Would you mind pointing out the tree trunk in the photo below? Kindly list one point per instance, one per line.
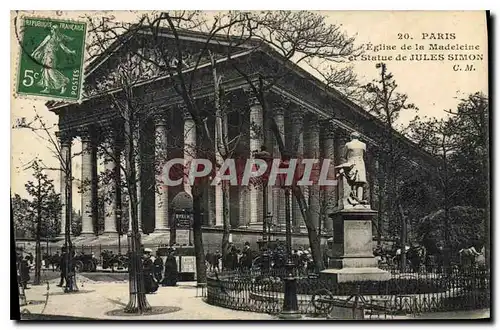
(38, 260)
(314, 240)
(226, 229)
(221, 153)
(201, 269)
(137, 295)
(403, 236)
(38, 252)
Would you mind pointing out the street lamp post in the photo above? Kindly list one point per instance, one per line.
(267, 221)
(290, 305)
(70, 269)
(119, 218)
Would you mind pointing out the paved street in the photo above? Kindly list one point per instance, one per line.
(100, 275)
(99, 298)
(475, 314)
(102, 293)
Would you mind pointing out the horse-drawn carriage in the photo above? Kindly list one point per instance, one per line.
(114, 261)
(85, 263)
(52, 261)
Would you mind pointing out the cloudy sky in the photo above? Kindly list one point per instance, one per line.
(432, 86)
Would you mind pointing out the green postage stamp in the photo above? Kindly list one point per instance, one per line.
(51, 58)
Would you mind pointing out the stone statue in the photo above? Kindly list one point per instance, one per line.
(354, 170)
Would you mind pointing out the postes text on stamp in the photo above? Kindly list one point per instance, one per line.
(51, 58)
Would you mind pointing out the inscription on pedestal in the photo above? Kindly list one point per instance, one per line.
(182, 236)
(357, 238)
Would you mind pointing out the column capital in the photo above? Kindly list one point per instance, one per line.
(342, 134)
(85, 134)
(313, 122)
(278, 111)
(297, 115)
(277, 100)
(107, 131)
(252, 97)
(329, 128)
(185, 113)
(65, 137)
(159, 119)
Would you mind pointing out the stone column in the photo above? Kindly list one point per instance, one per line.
(256, 142)
(161, 191)
(297, 141)
(65, 141)
(189, 146)
(87, 186)
(312, 151)
(278, 193)
(329, 195)
(110, 190)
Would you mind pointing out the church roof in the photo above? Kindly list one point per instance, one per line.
(247, 45)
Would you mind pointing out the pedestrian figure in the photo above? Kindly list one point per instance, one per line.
(239, 255)
(171, 271)
(56, 261)
(217, 259)
(158, 267)
(63, 265)
(25, 272)
(231, 261)
(150, 284)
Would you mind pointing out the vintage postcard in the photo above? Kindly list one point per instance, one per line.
(250, 165)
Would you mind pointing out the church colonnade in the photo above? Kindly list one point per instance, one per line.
(306, 133)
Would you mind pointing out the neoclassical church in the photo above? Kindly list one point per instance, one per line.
(305, 110)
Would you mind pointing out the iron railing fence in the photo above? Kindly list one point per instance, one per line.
(403, 293)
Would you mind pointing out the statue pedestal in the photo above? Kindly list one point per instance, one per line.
(354, 259)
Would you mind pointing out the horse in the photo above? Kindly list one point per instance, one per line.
(213, 261)
(52, 261)
(468, 257)
(397, 257)
(415, 255)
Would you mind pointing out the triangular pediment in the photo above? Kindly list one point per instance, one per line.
(142, 56)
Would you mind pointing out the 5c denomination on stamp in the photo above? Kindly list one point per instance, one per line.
(51, 58)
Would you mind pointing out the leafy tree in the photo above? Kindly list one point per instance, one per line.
(460, 142)
(472, 116)
(45, 207)
(382, 99)
(76, 224)
(23, 218)
(464, 227)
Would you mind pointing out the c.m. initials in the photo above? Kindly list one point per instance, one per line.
(467, 67)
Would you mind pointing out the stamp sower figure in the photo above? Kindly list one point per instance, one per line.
(46, 54)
